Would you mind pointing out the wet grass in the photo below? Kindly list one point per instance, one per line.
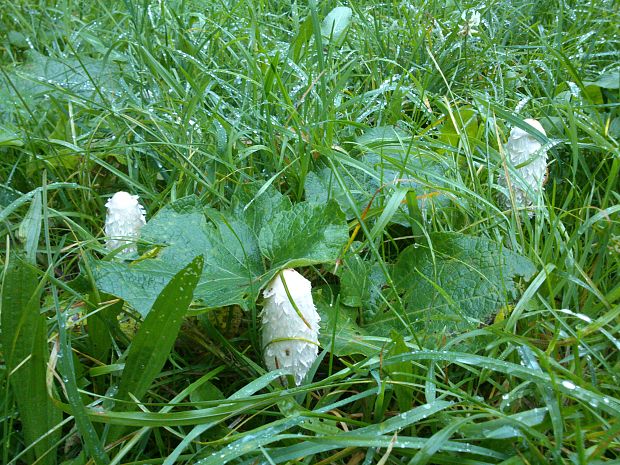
(173, 98)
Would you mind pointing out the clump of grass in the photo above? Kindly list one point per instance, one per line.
(179, 98)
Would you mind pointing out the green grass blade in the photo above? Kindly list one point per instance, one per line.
(24, 342)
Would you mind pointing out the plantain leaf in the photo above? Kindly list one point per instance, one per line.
(152, 343)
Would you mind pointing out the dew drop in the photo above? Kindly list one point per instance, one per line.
(568, 385)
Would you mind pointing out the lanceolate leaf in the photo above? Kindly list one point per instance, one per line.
(24, 344)
(152, 343)
(457, 284)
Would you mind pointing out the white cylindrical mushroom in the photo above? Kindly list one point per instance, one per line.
(290, 330)
(123, 221)
(524, 152)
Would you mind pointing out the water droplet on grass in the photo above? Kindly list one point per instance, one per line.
(568, 385)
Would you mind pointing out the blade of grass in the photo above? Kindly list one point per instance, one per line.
(24, 342)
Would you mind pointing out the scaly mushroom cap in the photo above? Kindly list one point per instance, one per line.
(123, 221)
(290, 335)
(524, 149)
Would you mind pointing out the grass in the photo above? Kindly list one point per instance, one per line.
(174, 98)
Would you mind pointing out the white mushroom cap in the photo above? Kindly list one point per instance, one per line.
(290, 335)
(124, 219)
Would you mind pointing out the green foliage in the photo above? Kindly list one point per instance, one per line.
(388, 157)
(152, 343)
(456, 282)
(336, 24)
(24, 343)
(360, 285)
(243, 248)
(452, 331)
(340, 332)
(147, 354)
(303, 236)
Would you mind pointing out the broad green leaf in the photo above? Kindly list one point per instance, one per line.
(389, 158)
(8, 195)
(42, 80)
(137, 283)
(243, 248)
(457, 283)
(607, 80)
(381, 136)
(152, 343)
(304, 235)
(614, 127)
(338, 324)
(394, 156)
(321, 186)
(593, 94)
(24, 344)
(18, 39)
(360, 285)
(10, 137)
(466, 119)
(354, 281)
(257, 208)
(232, 259)
(234, 271)
(182, 228)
